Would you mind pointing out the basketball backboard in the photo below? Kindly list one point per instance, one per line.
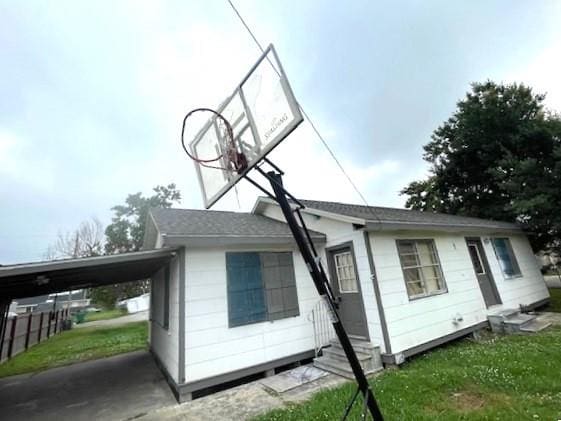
(262, 112)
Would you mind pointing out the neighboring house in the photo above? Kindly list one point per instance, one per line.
(68, 299)
(237, 298)
(548, 259)
(136, 304)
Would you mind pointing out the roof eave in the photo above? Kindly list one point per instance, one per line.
(418, 226)
(262, 202)
(174, 240)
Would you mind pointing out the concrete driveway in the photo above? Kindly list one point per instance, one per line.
(123, 387)
(117, 321)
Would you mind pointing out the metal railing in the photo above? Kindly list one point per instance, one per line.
(323, 329)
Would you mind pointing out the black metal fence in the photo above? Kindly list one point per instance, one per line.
(25, 330)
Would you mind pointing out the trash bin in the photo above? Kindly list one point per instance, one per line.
(79, 317)
(67, 324)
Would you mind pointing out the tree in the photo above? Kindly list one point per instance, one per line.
(126, 234)
(497, 157)
(86, 240)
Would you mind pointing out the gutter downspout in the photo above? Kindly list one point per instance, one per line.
(379, 305)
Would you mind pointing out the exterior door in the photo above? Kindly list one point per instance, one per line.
(482, 272)
(346, 287)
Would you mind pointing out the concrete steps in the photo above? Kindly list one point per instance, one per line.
(513, 321)
(334, 359)
(535, 326)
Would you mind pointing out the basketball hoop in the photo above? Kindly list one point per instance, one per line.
(261, 112)
(232, 159)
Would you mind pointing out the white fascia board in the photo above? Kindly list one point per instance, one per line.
(420, 226)
(224, 240)
(264, 201)
(80, 262)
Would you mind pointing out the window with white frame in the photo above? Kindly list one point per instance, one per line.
(506, 257)
(421, 268)
(345, 268)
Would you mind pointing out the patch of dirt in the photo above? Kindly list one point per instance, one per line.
(467, 401)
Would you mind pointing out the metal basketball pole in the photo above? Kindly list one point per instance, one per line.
(322, 285)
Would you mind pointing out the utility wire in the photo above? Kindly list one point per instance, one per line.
(305, 114)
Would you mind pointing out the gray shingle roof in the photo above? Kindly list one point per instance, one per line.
(377, 214)
(203, 223)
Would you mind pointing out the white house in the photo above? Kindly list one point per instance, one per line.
(237, 298)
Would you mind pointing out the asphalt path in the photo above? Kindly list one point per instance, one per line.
(117, 321)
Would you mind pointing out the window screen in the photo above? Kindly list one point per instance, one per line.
(505, 256)
(261, 286)
(421, 267)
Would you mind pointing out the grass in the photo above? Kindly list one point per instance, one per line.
(555, 303)
(78, 345)
(501, 377)
(92, 316)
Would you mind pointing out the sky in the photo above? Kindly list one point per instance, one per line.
(92, 95)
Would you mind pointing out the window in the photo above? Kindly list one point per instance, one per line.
(345, 268)
(159, 298)
(261, 286)
(476, 258)
(421, 268)
(505, 256)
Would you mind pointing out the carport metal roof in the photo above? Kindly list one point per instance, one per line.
(31, 279)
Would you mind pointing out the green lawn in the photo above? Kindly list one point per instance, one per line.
(499, 378)
(555, 303)
(92, 316)
(72, 346)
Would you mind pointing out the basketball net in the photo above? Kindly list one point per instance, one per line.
(231, 158)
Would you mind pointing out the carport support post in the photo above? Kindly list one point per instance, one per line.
(321, 282)
(4, 313)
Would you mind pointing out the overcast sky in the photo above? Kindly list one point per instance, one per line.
(92, 94)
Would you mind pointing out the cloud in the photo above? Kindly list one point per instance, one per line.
(311, 173)
(19, 165)
(542, 74)
(93, 97)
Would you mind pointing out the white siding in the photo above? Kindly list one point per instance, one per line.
(412, 323)
(212, 348)
(526, 289)
(165, 343)
(339, 233)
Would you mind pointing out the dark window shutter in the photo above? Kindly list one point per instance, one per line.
(277, 270)
(246, 301)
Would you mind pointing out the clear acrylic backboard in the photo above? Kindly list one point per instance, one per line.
(262, 112)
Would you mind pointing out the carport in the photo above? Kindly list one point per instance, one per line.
(32, 279)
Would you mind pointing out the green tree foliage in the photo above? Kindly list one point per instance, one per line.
(126, 233)
(497, 157)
